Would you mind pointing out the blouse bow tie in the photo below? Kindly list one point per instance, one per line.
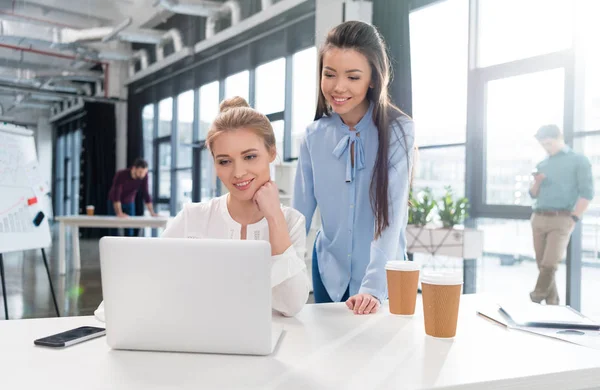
(345, 146)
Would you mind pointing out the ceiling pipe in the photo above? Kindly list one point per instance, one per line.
(18, 88)
(116, 30)
(142, 57)
(19, 17)
(173, 35)
(87, 76)
(79, 41)
(105, 65)
(231, 6)
(264, 4)
(202, 8)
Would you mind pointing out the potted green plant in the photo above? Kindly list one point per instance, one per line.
(421, 207)
(447, 239)
(452, 211)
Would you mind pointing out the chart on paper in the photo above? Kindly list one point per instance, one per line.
(23, 223)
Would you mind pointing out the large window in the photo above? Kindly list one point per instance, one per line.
(165, 117)
(184, 187)
(238, 85)
(304, 94)
(509, 260)
(148, 132)
(208, 110)
(590, 232)
(67, 170)
(516, 108)
(439, 66)
(437, 168)
(175, 126)
(278, 130)
(270, 98)
(270, 87)
(511, 30)
(164, 170)
(529, 63)
(185, 124)
(208, 107)
(590, 56)
(185, 127)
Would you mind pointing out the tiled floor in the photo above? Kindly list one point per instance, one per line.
(28, 292)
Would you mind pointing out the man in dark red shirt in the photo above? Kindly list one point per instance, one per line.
(126, 184)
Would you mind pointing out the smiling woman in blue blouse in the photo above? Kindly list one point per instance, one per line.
(355, 165)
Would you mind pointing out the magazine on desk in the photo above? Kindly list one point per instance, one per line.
(584, 337)
(530, 314)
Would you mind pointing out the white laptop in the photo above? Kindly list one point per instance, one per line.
(185, 295)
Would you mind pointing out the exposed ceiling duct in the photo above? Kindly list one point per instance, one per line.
(46, 98)
(53, 80)
(71, 75)
(142, 57)
(173, 35)
(187, 7)
(265, 4)
(41, 16)
(267, 13)
(25, 89)
(82, 41)
(104, 34)
(20, 34)
(232, 7)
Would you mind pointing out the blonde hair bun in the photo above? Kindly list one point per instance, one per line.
(234, 102)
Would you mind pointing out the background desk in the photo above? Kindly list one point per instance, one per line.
(99, 221)
(324, 347)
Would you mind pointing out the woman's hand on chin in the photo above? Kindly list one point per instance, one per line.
(267, 200)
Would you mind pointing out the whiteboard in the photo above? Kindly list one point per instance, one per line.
(23, 193)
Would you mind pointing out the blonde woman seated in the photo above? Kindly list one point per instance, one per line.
(242, 144)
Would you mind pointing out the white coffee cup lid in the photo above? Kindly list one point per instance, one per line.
(442, 278)
(402, 265)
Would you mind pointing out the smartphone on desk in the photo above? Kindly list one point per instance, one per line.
(70, 337)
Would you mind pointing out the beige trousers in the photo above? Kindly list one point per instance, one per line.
(551, 236)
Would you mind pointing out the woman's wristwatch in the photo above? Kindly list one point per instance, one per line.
(575, 218)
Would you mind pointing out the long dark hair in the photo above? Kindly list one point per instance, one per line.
(365, 39)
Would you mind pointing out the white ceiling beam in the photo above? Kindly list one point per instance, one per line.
(109, 12)
(98, 34)
(155, 17)
(191, 7)
(16, 59)
(103, 10)
(41, 15)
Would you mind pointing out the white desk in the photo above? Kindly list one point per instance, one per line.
(96, 221)
(324, 347)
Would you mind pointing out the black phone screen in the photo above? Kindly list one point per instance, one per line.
(62, 339)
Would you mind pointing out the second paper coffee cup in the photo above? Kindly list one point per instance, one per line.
(402, 280)
(441, 298)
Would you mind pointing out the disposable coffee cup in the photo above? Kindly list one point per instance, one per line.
(89, 209)
(441, 299)
(402, 281)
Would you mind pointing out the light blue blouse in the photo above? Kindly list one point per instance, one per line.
(347, 253)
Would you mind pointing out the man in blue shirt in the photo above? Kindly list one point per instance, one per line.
(562, 190)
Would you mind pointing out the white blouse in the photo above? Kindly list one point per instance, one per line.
(289, 278)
